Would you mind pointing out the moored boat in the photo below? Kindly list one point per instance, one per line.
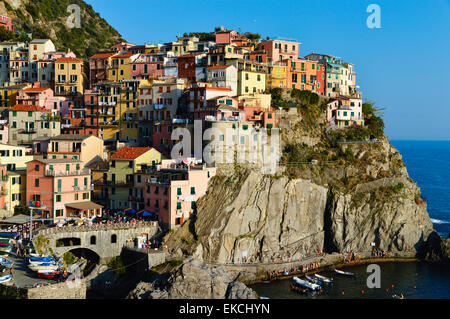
(345, 273)
(306, 284)
(314, 280)
(323, 278)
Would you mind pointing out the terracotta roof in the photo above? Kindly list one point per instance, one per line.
(218, 67)
(101, 55)
(35, 89)
(216, 88)
(130, 152)
(126, 55)
(69, 59)
(28, 108)
(190, 55)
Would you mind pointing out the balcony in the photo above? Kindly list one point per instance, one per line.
(114, 123)
(36, 204)
(27, 131)
(67, 173)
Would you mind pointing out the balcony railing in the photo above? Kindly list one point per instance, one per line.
(67, 173)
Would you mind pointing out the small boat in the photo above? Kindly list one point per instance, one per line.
(5, 262)
(323, 278)
(48, 274)
(40, 259)
(306, 284)
(44, 266)
(5, 278)
(314, 280)
(345, 273)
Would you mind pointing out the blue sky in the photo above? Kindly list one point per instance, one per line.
(403, 66)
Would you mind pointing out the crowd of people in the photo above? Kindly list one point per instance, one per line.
(302, 269)
(379, 253)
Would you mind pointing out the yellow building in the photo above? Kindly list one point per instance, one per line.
(109, 109)
(277, 75)
(251, 76)
(69, 77)
(123, 166)
(8, 95)
(120, 67)
(16, 187)
(14, 157)
(128, 108)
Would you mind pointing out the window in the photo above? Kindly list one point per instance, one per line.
(30, 114)
(221, 137)
(269, 115)
(36, 182)
(36, 168)
(130, 164)
(93, 240)
(113, 238)
(113, 163)
(76, 196)
(178, 205)
(192, 190)
(193, 205)
(178, 191)
(58, 198)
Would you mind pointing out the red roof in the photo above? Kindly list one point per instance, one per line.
(69, 59)
(35, 89)
(101, 55)
(218, 67)
(126, 55)
(29, 108)
(130, 152)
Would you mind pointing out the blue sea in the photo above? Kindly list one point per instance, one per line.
(428, 164)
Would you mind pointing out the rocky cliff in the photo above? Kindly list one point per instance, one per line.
(326, 195)
(194, 280)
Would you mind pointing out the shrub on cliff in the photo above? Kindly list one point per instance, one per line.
(374, 122)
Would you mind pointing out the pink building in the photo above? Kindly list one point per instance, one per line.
(226, 36)
(146, 66)
(6, 22)
(60, 188)
(175, 188)
(43, 97)
(122, 46)
(260, 117)
(278, 50)
(219, 108)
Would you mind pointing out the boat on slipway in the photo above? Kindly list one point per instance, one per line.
(5, 262)
(44, 266)
(5, 278)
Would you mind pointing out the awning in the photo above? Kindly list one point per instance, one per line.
(84, 205)
(145, 213)
(130, 211)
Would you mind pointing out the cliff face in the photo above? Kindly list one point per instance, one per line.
(48, 19)
(363, 195)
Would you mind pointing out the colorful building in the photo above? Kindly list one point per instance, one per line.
(123, 166)
(225, 76)
(69, 76)
(174, 189)
(251, 76)
(60, 189)
(279, 49)
(344, 111)
(277, 76)
(26, 122)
